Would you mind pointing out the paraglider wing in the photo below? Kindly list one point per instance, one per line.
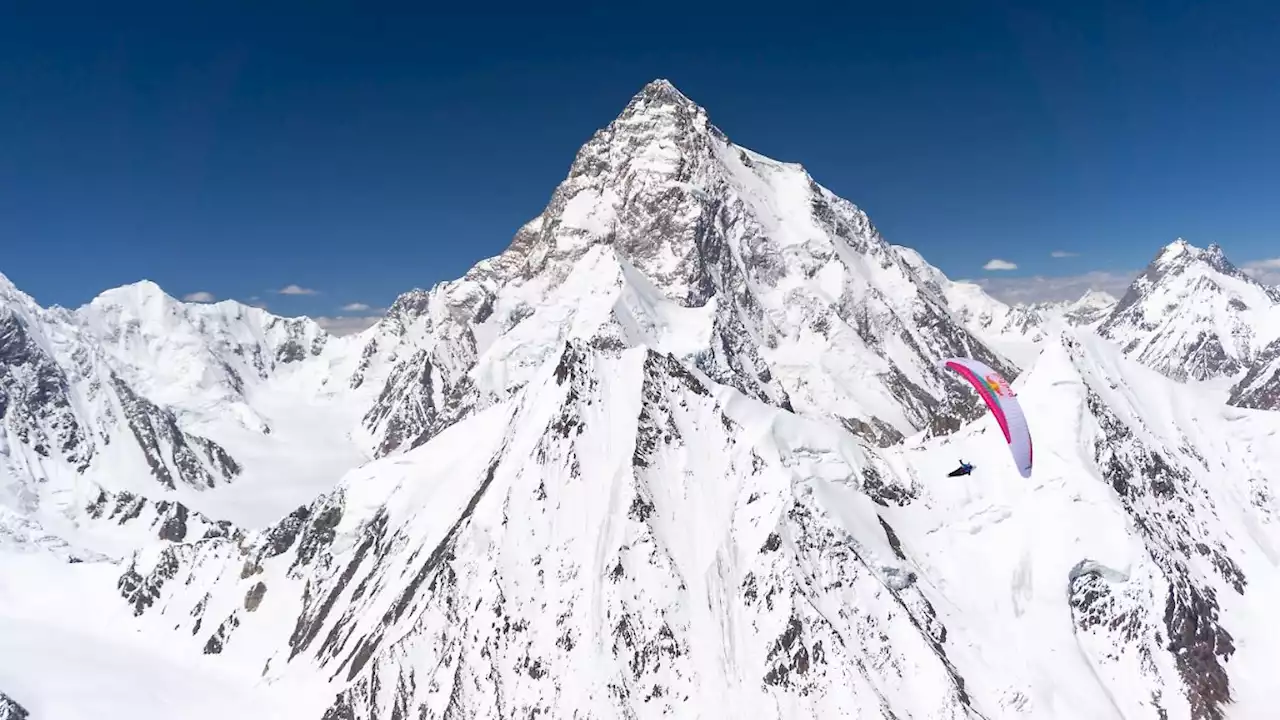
(1002, 402)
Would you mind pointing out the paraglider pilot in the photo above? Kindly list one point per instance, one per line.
(1005, 409)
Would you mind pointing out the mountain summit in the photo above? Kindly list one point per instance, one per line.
(765, 266)
(1193, 314)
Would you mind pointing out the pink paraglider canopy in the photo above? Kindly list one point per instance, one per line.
(1002, 402)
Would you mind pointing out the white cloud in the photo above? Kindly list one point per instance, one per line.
(1264, 271)
(345, 325)
(201, 296)
(296, 290)
(1063, 254)
(1057, 288)
(998, 264)
(355, 307)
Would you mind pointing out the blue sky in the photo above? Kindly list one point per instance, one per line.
(359, 153)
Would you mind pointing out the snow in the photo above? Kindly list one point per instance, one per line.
(290, 425)
(588, 211)
(67, 653)
(1192, 314)
(778, 193)
(1095, 300)
(312, 444)
(1000, 548)
(191, 355)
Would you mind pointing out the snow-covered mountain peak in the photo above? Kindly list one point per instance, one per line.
(1094, 299)
(1215, 256)
(143, 293)
(71, 423)
(1182, 250)
(658, 94)
(779, 267)
(1193, 314)
(12, 297)
(146, 301)
(139, 413)
(1089, 309)
(1014, 331)
(651, 182)
(1181, 258)
(1175, 249)
(404, 312)
(659, 105)
(635, 184)
(200, 358)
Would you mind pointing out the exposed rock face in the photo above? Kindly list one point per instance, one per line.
(63, 405)
(36, 396)
(1260, 386)
(11, 710)
(167, 520)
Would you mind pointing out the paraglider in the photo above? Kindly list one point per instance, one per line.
(1003, 404)
(964, 469)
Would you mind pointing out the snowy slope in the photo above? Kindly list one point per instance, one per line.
(63, 656)
(697, 570)
(677, 546)
(1192, 314)
(1150, 501)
